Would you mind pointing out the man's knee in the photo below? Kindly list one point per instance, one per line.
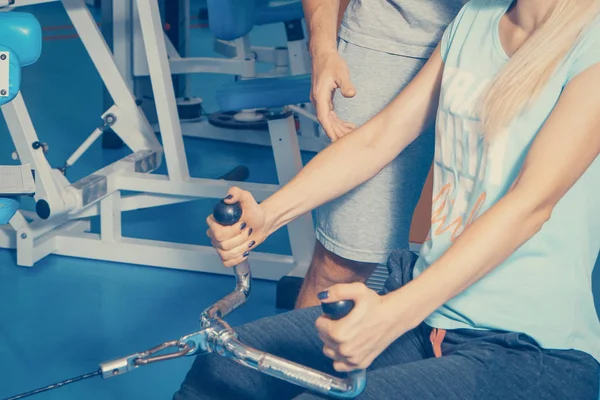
(328, 268)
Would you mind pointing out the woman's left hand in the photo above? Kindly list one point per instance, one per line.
(354, 341)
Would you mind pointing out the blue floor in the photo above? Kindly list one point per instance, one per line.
(65, 316)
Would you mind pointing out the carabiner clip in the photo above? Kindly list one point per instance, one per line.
(128, 363)
(149, 357)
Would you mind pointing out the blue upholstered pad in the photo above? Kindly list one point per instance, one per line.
(231, 19)
(22, 33)
(265, 93)
(20, 45)
(279, 13)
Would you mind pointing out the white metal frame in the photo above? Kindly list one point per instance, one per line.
(66, 231)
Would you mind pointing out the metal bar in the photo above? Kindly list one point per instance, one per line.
(162, 87)
(194, 187)
(165, 255)
(102, 58)
(284, 140)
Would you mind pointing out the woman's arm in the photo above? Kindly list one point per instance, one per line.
(360, 155)
(566, 146)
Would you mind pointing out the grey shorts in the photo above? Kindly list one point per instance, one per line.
(369, 222)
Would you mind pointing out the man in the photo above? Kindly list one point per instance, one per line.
(382, 45)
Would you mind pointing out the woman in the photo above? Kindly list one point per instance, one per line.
(499, 304)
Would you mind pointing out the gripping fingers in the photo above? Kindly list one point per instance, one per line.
(221, 233)
(229, 244)
(340, 362)
(235, 255)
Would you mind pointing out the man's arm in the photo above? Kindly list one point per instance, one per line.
(322, 22)
(341, 11)
(360, 155)
(563, 150)
(329, 71)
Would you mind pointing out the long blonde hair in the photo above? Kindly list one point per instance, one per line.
(524, 76)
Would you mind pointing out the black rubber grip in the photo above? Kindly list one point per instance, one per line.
(227, 214)
(337, 310)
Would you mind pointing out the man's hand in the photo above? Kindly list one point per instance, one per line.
(330, 72)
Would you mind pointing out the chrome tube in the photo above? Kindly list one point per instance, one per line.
(342, 388)
(243, 286)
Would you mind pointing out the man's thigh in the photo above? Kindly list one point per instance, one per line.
(370, 221)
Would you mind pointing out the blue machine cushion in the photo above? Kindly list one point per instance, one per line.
(231, 19)
(21, 45)
(7, 94)
(264, 93)
(8, 208)
(279, 13)
(22, 33)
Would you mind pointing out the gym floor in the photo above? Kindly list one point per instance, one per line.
(64, 316)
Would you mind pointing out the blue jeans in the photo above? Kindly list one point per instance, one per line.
(475, 364)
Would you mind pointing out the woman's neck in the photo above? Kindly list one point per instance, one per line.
(520, 22)
(529, 14)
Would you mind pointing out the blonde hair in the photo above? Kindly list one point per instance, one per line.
(524, 76)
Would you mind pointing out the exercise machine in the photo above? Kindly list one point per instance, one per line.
(216, 336)
(15, 181)
(230, 22)
(61, 223)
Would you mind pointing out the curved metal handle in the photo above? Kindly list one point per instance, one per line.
(230, 347)
(230, 214)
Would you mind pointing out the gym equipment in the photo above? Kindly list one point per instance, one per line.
(25, 48)
(61, 222)
(216, 336)
(231, 22)
(21, 46)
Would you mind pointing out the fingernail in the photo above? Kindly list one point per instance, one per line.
(252, 243)
(250, 232)
(246, 254)
(229, 197)
(242, 226)
(323, 295)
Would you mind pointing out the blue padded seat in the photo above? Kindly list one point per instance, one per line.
(231, 19)
(271, 14)
(264, 93)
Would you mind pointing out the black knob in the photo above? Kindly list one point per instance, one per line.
(42, 208)
(337, 310)
(227, 214)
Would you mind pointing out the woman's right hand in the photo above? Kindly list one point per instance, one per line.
(234, 243)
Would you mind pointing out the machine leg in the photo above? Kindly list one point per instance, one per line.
(286, 150)
(110, 140)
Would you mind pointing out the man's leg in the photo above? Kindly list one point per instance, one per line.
(292, 336)
(328, 269)
(357, 231)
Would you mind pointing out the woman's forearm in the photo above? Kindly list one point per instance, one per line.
(482, 246)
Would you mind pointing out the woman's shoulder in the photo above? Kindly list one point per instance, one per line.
(586, 50)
